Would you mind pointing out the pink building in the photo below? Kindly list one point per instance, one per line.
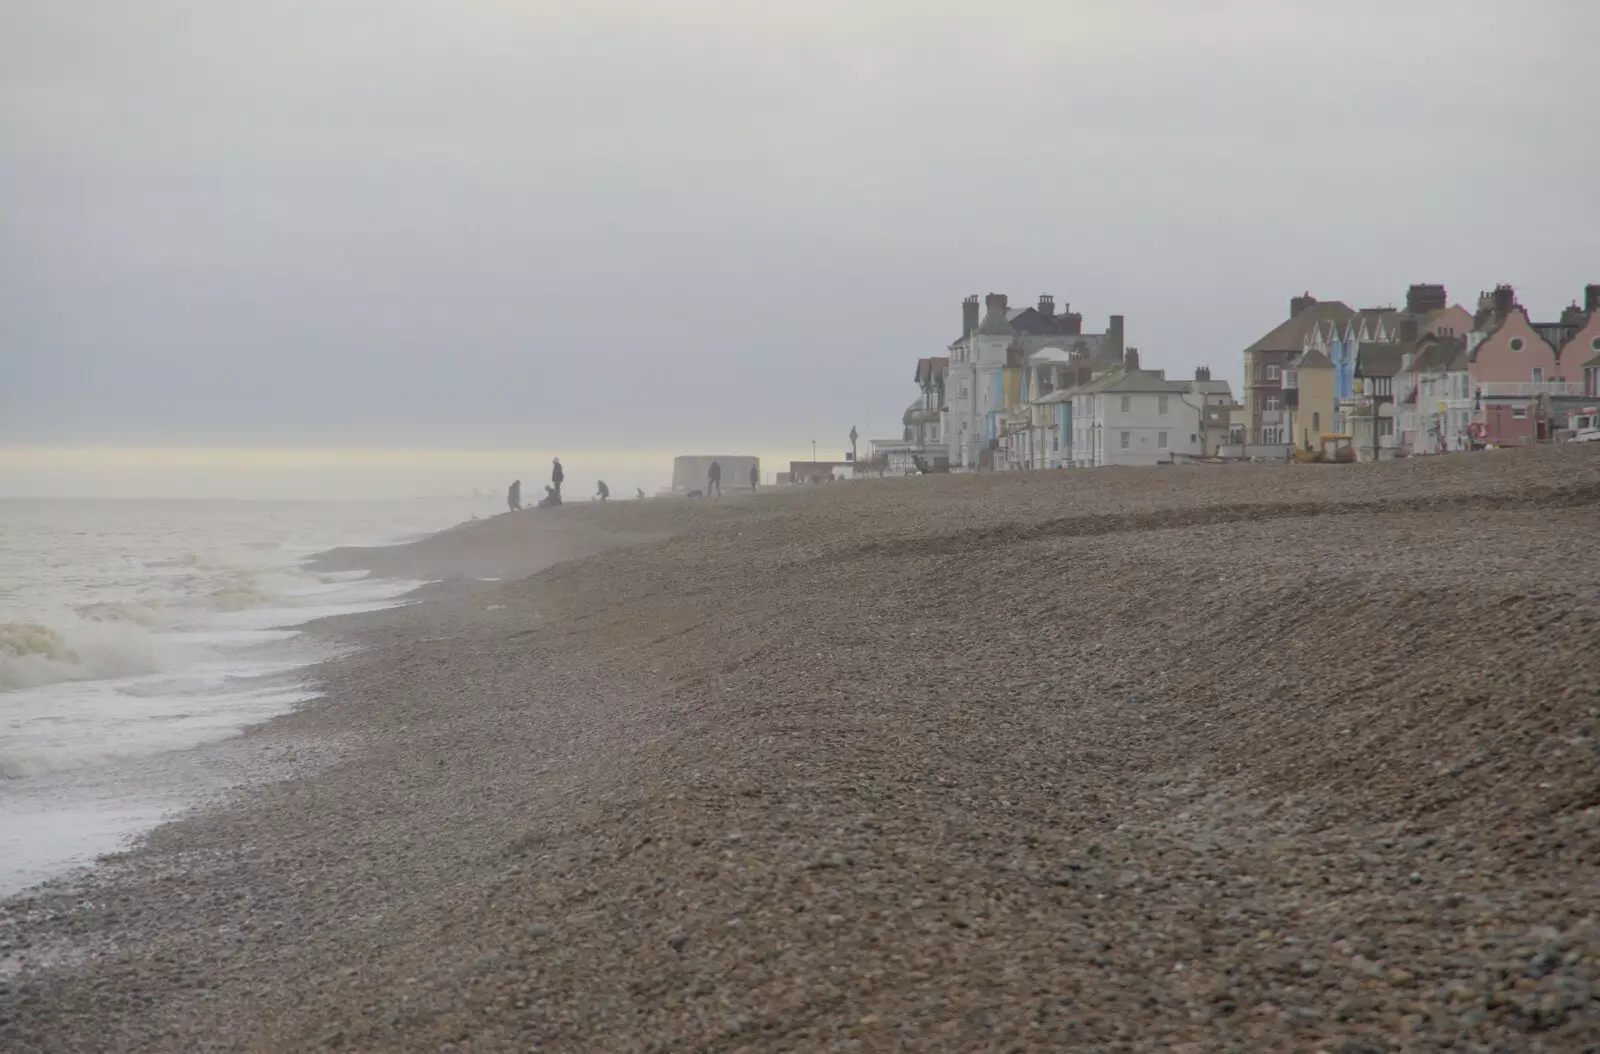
(1520, 368)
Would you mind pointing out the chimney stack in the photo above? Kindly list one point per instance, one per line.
(1300, 303)
(1202, 373)
(1071, 322)
(1421, 299)
(1114, 337)
(1130, 359)
(1047, 305)
(1591, 299)
(969, 315)
(1505, 298)
(995, 303)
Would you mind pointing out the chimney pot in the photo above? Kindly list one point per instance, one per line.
(1130, 359)
(1202, 373)
(1047, 305)
(1423, 298)
(1300, 303)
(969, 315)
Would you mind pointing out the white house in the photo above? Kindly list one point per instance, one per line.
(1134, 417)
(975, 398)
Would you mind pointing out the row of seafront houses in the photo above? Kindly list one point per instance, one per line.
(1026, 388)
(1428, 378)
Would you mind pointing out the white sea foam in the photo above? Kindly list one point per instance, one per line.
(131, 631)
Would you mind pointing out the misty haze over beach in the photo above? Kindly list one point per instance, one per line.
(429, 622)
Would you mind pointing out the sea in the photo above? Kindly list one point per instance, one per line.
(133, 632)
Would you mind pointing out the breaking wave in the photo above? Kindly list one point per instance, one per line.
(32, 654)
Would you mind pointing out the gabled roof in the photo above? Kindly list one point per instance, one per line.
(1312, 360)
(1440, 353)
(1379, 321)
(1290, 335)
(1592, 362)
(1142, 381)
(1578, 330)
(996, 324)
(1382, 360)
(1210, 388)
(931, 370)
(1095, 383)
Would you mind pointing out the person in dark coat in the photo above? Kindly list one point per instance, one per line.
(604, 492)
(714, 479)
(514, 496)
(556, 476)
(755, 477)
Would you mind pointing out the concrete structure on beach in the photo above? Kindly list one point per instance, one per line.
(689, 471)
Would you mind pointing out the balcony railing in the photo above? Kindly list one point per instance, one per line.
(1529, 389)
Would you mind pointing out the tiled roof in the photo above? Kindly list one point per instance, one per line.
(1290, 335)
(1142, 381)
(1382, 360)
(1440, 353)
(1312, 360)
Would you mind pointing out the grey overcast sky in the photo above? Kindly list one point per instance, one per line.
(633, 224)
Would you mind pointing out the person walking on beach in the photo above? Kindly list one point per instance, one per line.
(556, 476)
(514, 496)
(604, 492)
(755, 478)
(714, 479)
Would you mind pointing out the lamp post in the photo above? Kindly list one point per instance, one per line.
(813, 451)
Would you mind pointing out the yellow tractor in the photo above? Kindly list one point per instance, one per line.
(1335, 450)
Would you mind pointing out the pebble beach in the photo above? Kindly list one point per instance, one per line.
(1245, 758)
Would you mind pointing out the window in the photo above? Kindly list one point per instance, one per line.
(1517, 344)
(1161, 404)
(1127, 403)
(963, 391)
(1124, 441)
(1386, 426)
(1194, 438)
(1161, 439)
(1055, 442)
(1291, 378)
(1594, 345)
(1538, 375)
(1272, 403)
(1316, 421)
(1272, 373)
(1519, 412)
